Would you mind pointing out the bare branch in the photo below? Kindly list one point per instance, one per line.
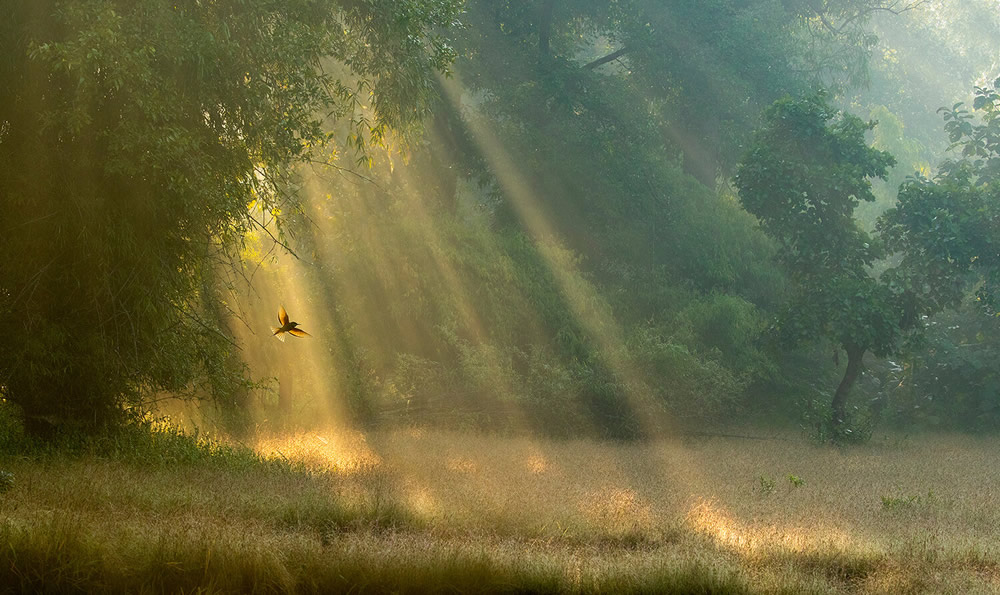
(343, 170)
(605, 59)
(274, 239)
(201, 323)
(892, 7)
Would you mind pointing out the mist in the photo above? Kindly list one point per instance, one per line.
(589, 297)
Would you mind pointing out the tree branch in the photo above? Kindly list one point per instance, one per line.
(343, 170)
(890, 7)
(604, 60)
(202, 324)
(274, 239)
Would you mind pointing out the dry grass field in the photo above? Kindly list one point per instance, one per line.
(419, 511)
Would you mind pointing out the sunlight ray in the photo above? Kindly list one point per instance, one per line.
(586, 304)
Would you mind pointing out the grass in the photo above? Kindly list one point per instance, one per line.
(422, 511)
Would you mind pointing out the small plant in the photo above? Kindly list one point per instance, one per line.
(795, 481)
(906, 502)
(6, 481)
(767, 485)
(897, 503)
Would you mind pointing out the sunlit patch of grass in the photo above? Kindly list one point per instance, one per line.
(340, 450)
(432, 511)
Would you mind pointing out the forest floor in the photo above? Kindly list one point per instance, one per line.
(423, 511)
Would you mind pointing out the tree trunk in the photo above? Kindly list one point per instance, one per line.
(854, 357)
(545, 29)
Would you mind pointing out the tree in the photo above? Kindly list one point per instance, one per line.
(949, 226)
(806, 172)
(952, 222)
(138, 139)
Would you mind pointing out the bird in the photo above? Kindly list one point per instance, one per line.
(286, 327)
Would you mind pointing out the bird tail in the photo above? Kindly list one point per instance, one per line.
(278, 333)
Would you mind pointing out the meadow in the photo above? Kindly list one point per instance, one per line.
(433, 511)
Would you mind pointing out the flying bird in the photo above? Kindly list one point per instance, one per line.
(286, 327)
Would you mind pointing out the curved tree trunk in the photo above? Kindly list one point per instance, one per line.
(854, 357)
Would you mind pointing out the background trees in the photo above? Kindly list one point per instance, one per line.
(707, 70)
(951, 222)
(947, 227)
(560, 245)
(804, 177)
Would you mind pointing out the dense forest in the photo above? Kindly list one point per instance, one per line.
(504, 214)
(622, 220)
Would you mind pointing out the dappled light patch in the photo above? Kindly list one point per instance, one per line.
(614, 509)
(708, 519)
(536, 464)
(761, 538)
(464, 465)
(340, 450)
(423, 502)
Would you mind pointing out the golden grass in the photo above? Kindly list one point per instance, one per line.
(430, 511)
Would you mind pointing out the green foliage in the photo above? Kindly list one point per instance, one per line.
(899, 503)
(766, 485)
(728, 328)
(134, 138)
(794, 481)
(150, 442)
(179, 126)
(678, 56)
(468, 320)
(605, 181)
(950, 379)
(949, 226)
(803, 178)
(690, 386)
(816, 419)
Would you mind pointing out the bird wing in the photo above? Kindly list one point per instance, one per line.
(278, 333)
(282, 316)
(297, 332)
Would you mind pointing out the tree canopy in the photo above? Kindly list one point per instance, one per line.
(948, 227)
(140, 140)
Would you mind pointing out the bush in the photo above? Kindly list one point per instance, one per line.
(816, 416)
(730, 327)
(689, 385)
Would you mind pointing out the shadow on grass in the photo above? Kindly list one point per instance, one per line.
(63, 555)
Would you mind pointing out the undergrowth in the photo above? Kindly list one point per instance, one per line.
(148, 441)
